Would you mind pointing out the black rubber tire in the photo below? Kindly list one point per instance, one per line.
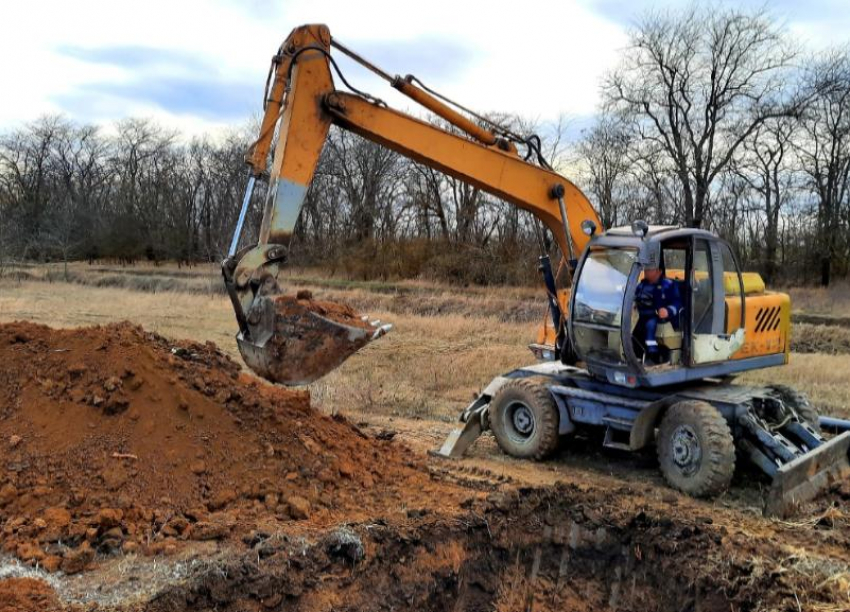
(705, 467)
(533, 397)
(799, 402)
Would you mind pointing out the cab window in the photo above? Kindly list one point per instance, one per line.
(702, 289)
(598, 304)
(602, 285)
(734, 295)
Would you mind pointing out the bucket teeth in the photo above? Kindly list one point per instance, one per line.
(382, 331)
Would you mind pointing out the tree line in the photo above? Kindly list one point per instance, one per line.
(713, 118)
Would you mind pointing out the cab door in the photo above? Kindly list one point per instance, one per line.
(716, 296)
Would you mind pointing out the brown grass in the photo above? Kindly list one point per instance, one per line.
(515, 591)
(206, 278)
(829, 339)
(834, 301)
(428, 367)
(180, 315)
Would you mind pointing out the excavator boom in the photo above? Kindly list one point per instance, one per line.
(289, 341)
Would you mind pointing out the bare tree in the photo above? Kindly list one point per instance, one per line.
(425, 187)
(824, 149)
(698, 83)
(606, 156)
(25, 162)
(765, 165)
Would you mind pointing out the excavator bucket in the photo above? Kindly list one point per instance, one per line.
(296, 341)
(808, 475)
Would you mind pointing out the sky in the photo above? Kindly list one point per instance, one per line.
(199, 66)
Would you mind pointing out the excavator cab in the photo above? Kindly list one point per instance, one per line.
(701, 339)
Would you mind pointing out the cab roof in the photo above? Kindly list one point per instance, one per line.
(657, 233)
(626, 230)
(649, 247)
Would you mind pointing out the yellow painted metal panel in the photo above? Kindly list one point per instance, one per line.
(767, 324)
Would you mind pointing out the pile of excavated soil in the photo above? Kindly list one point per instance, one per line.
(335, 311)
(113, 439)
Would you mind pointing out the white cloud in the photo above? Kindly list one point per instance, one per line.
(540, 58)
(535, 58)
(517, 62)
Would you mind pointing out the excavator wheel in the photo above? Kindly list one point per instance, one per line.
(524, 418)
(800, 403)
(696, 451)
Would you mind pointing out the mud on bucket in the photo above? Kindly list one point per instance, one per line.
(297, 340)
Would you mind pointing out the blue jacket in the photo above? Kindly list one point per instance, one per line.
(650, 297)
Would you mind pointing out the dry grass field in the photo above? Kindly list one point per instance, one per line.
(448, 342)
(834, 301)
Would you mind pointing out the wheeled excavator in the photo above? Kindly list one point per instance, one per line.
(591, 371)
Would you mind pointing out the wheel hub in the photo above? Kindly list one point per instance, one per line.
(686, 449)
(523, 419)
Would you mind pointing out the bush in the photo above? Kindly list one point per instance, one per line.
(439, 261)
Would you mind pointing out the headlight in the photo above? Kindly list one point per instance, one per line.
(588, 227)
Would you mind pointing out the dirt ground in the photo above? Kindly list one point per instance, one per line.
(141, 472)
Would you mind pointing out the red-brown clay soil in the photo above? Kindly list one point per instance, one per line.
(150, 474)
(335, 311)
(115, 439)
(27, 595)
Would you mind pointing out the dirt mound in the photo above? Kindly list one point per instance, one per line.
(27, 595)
(335, 311)
(115, 439)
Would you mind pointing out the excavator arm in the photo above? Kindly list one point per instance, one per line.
(302, 102)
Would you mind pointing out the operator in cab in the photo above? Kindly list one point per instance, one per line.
(658, 301)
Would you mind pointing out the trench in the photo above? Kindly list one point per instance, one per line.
(527, 549)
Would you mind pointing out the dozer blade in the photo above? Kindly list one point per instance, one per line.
(474, 422)
(460, 439)
(292, 344)
(807, 476)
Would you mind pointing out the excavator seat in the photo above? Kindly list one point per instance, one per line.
(667, 335)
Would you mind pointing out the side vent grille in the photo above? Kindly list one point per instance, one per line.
(768, 319)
